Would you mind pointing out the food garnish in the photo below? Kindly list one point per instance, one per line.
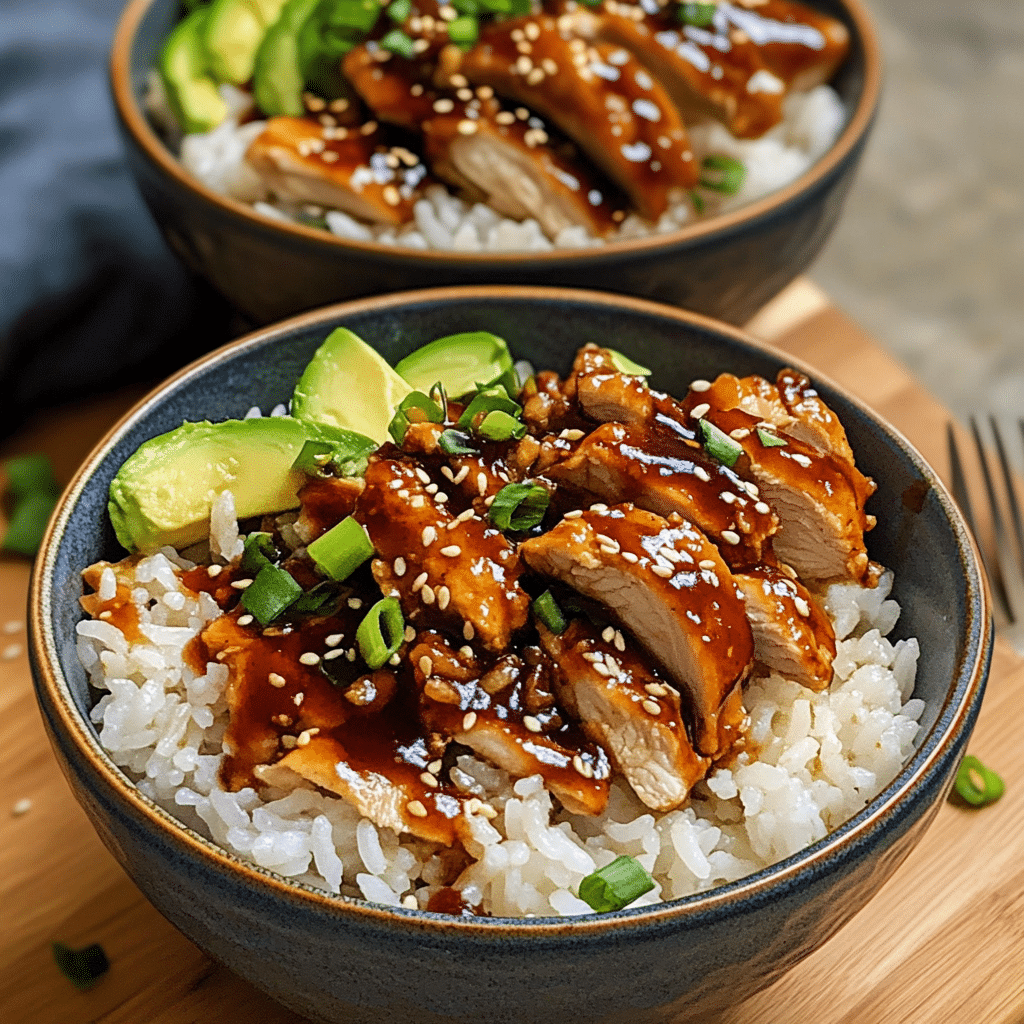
(32, 491)
(616, 885)
(82, 967)
(978, 784)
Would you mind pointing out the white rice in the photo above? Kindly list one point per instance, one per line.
(820, 758)
(811, 124)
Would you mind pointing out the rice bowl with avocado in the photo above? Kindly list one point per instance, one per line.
(225, 699)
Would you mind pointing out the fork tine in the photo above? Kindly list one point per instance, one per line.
(1011, 489)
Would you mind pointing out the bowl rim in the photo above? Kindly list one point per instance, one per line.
(720, 225)
(54, 693)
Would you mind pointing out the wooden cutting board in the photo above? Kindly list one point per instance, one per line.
(942, 942)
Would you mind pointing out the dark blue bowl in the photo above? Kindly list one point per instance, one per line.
(338, 961)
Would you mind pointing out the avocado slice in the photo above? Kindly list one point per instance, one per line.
(191, 91)
(164, 491)
(278, 82)
(348, 384)
(460, 362)
(234, 31)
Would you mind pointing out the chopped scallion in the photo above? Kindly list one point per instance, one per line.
(345, 450)
(270, 593)
(258, 551)
(499, 426)
(486, 401)
(520, 8)
(519, 506)
(471, 7)
(624, 364)
(700, 15)
(416, 407)
(398, 43)
(546, 609)
(381, 632)
(82, 967)
(719, 444)
(699, 206)
(313, 457)
(463, 31)
(616, 885)
(28, 523)
(399, 10)
(317, 601)
(454, 442)
(439, 393)
(770, 440)
(977, 784)
(27, 474)
(341, 550)
(722, 174)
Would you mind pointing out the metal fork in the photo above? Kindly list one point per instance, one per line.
(1004, 565)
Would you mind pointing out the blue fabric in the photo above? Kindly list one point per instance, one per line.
(90, 296)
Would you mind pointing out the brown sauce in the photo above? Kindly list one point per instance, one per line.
(450, 901)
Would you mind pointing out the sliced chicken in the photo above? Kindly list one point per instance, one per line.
(505, 158)
(623, 705)
(666, 583)
(598, 95)
(326, 501)
(461, 575)
(487, 709)
(656, 470)
(792, 635)
(547, 408)
(348, 169)
(737, 69)
(812, 420)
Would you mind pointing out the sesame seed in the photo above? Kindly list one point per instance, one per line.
(592, 656)
(574, 514)
(531, 723)
(531, 30)
(620, 641)
(13, 626)
(451, 551)
(275, 679)
(549, 66)
(444, 596)
(399, 566)
(305, 736)
(309, 658)
(467, 127)
(751, 489)
(605, 539)
(588, 770)
(702, 474)
(465, 95)
(473, 805)
(730, 537)
(466, 651)
(426, 665)
(444, 105)
(762, 507)
(481, 483)
(468, 632)
(728, 497)
(536, 76)
(105, 614)
(418, 501)
(461, 475)
(403, 493)
(298, 699)
(599, 506)
(330, 157)
(524, 65)
(23, 806)
(429, 536)
(428, 780)
(331, 655)
(419, 581)
(435, 767)
(488, 811)
(607, 549)
(415, 807)
(213, 571)
(334, 639)
(355, 603)
(652, 707)
(739, 433)
(431, 489)
(446, 472)
(664, 571)
(608, 634)
(671, 554)
(707, 563)
(350, 654)
(395, 659)
(391, 196)
(464, 516)
(630, 557)
(802, 606)
(459, 81)
(578, 763)
(410, 634)
(422, 475)
(288, 742)
(244, 620)
(656, 689)
(601, 668)
(613, 665)
(241, 584)
(801, 460)
(468, 721)
(416, 89)
(427, 594)
(700, 385)
(700, 410)
(505, 117)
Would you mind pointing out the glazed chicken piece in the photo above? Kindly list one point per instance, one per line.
(666, 583)
(658, 471)
(792, 635)
(487, 709)
(547, 408)
(350, 169)
(461, 575)
(737, 69)
(504, 158)
(598, 95)
(326, 501)
(623, 705)
(811, 420)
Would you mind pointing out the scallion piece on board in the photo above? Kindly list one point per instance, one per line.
(259, 551)
(28, 523)
(719, 444)
(381, 632)
(977, 784)
(341, 550)
(546, 609)
(499, 426)
(273, 590)
(454, 442)
(700, 15)
(616, 885)
(722, 174)
(29, 474)
(770, 440)
(82, 967)
(519, 506)
(487, 401)
(398, 43)
(463, 31)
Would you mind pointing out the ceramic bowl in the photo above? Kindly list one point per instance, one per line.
(348, 962)
(727, 266)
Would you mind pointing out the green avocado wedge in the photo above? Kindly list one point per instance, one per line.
(184, 71)
(460, 362)
(278, 82)
(233, 33)
(164, 491)
(348, 384)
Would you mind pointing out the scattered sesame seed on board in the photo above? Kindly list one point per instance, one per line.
(13, 626)
(22, 806)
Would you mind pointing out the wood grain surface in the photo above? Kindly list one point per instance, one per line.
(942, 942)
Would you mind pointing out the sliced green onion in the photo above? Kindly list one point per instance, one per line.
(380, 634)
(30, 473)
(416, 407)
(471, 7)
(318, 600)
(259, 551)
(616, 885)
(82, 967)
(454, 442)
(519, 506)
(439, 393)
(719, 444)
(546, 609)
(355, 17)
(273, 590)
(509, 380)
(463, 31)
(345, 450)
(315, 455)
(722, 174)
(699, 206)
(486, 401)
(626, 365)
(28, 523)
(399, 10)
(700, 15)
(499, 426)
(770, 440)
(341, 550)
(977, 784)
(497, 6)
(520, 8)
(398, 43)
